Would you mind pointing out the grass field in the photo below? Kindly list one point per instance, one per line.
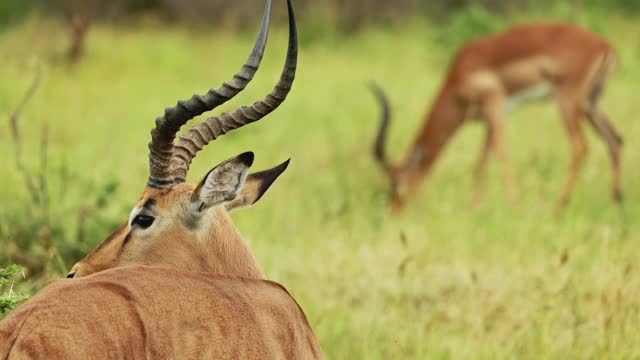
(444, 280)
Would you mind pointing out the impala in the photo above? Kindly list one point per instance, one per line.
(490, 74)
(176, 280)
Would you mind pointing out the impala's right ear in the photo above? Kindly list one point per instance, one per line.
(256, 185)
(223, 183)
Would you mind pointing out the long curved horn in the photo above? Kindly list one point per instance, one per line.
(161, 147)
(379, 146)
(210, 129)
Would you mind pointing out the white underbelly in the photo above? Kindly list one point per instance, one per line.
(538, 92)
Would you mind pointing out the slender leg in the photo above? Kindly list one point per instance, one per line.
(493, 113)
(612, 139)
(572, 115)
(480, 173)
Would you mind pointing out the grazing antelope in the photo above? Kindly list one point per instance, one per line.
(490, 73)
(176, 280)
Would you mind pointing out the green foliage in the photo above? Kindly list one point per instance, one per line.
(6, 274)
(13, 11)
(9, 298)
(321, 28)
(49, 239)
(470, 23)
(623, 6)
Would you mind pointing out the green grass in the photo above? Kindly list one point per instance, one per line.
(9, 299)
(444, 280)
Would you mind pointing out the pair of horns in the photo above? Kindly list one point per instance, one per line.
(169, 161)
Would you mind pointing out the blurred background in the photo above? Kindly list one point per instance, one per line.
(320, 19)
(444, 280)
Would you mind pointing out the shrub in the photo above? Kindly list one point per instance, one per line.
(9, 298)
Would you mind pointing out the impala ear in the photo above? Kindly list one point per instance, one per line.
(223, 183)
(255, 186)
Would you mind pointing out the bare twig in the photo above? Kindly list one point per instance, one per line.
(44, 160)
(17, 139)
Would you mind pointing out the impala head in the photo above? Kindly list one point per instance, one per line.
(405, 176)
(177, 225)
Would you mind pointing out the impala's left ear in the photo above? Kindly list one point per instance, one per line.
(223, 183)
(255, 186)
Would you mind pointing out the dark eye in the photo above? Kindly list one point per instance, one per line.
(144, 221)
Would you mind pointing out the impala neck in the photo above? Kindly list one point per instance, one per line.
(443, 121)
(228, 252)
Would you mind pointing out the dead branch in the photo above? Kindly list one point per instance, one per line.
(17, 138)
(44, 160)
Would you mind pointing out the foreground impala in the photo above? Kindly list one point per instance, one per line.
(493, 72)
(180, 282)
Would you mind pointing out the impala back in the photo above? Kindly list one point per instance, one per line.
(156, 313)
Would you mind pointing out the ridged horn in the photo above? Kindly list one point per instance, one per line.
(161, 147)
(200, 135)
(379, 146)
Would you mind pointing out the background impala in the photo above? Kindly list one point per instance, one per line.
(490, 74)
(445, 279)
